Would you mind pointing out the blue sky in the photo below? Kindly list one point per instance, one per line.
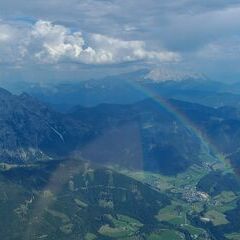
(55, 40)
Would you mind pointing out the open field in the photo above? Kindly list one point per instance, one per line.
(174, 213)
(233, 236)
(216, 218)
(166, 235)
(123, 227)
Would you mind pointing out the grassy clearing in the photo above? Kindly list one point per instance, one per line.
(116, 232)
(156, 180)
(123, 227)
(194, 230)
(122, 219)
(166, 235)
(226, 201)
(80, 203)
(226, 207)
(226, 197)
(90, 236)
(233, 236)
(217, 218)
(190, 177)
(174, 213)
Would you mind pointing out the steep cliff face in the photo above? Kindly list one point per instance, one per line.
(30, 130)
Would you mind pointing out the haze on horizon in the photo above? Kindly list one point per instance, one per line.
(59, 40)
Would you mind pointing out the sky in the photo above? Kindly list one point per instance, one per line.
(59, 40)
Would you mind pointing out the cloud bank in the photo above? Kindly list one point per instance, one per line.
(48, 43)
(95, 36)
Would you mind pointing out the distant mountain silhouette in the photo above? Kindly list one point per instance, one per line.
(133, 87)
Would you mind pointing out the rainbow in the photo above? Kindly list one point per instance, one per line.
(206, 143)
(208, 146)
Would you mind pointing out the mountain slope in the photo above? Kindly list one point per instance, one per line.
(149, 136)
(144, 135)
(30, 130)
(69, 199)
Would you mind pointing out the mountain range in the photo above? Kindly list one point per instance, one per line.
(133, 87)
(148, 169)
(144, 135)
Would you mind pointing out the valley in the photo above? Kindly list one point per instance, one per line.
(124, 172)
(70, 198)
(119, 120)
(200, 213)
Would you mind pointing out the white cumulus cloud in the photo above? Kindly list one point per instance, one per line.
(55, 42)
(45, 42)
(13, 43)
(121, 51)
